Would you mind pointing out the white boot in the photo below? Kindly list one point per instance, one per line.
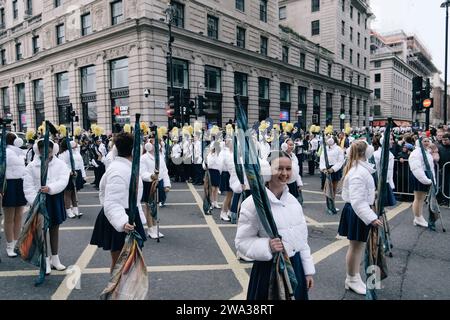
(76, 212)
(153, 234)
(420, 221)
(56, 264)
(224, 216)
(10, 249)
(70, 213)
(356, 284)
(48, 267)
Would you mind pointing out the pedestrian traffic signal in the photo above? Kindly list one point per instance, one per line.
(170, 111)
(191, 109)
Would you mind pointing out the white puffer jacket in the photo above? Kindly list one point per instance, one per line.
(359, 190)
(114, 188)
(295, 171)
(417, 166)
(15, 163)
(264, 148)
(335, 158)
(198, 159)
(390, 174)
(78, 161)
(226, 160)
(253, 241)
(235, 184)
(214, 161)
(147, 168)
(57, 178)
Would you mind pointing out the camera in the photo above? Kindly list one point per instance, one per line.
(146, 93)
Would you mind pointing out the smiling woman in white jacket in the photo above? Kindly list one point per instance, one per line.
(419, 180)
(112, 224)
(358, 192)
(57, 179)
(253, 242)
(13, 198)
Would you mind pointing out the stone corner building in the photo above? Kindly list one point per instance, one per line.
(98, 57)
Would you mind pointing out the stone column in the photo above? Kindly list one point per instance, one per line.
(336, 110)
(294, 101)
(227, 93)
(29, 102)
(309, 106)
(158, 84)
(75, 91)
(274, 96)
(253, 97)
(135, 88)
(51, 113)
(13, 103)
(323, 107)
(103, 102)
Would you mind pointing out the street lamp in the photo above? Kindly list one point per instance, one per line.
(170, 13)
(445, 5)
(350, 99)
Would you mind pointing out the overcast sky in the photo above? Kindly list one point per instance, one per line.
(422, 17)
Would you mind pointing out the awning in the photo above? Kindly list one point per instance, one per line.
(399, 123)
(379, 123)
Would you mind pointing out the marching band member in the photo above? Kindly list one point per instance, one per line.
(335, 160)
(390, 198)
(214, 166)
(227, 165)
(13, 198)
(112, 224)
(198, 160)
(419, 181)
(252, 240)
(57, 179)
(359, 195)
(295, 181)
(70, 199)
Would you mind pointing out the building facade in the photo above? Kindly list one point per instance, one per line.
(341, 26)
(396, 58)
(98, 57)
(438, 93)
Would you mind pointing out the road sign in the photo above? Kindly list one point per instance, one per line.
(427, 103)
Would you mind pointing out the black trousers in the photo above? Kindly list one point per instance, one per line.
(197, 173)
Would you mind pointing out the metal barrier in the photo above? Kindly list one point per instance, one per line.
(401, 178)
(445, 185)
(402, 181)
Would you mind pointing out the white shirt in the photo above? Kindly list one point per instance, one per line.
(253, 241)
(335, 158)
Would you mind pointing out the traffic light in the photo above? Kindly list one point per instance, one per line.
(417, 93)
(170, 111)
(201, 106)
(192, 107)
(70, 113)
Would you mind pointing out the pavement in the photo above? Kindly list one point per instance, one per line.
(196, 259)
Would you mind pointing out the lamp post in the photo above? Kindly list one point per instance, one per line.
(350, 99)
(445, 5)
(170, 13)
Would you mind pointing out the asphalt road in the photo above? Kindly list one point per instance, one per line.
(196, 258)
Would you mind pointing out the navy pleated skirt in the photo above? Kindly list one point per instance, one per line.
(351, 226)
(79, 182)
(14, 196)
(225, 182)
(336, 176)
(293, 189)
(416, 184)
(146, 191)
(258, 287)
(106, 237)
(56, 209)
(215, 177)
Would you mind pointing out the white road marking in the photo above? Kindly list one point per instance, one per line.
(228, 253)
(63, 291)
